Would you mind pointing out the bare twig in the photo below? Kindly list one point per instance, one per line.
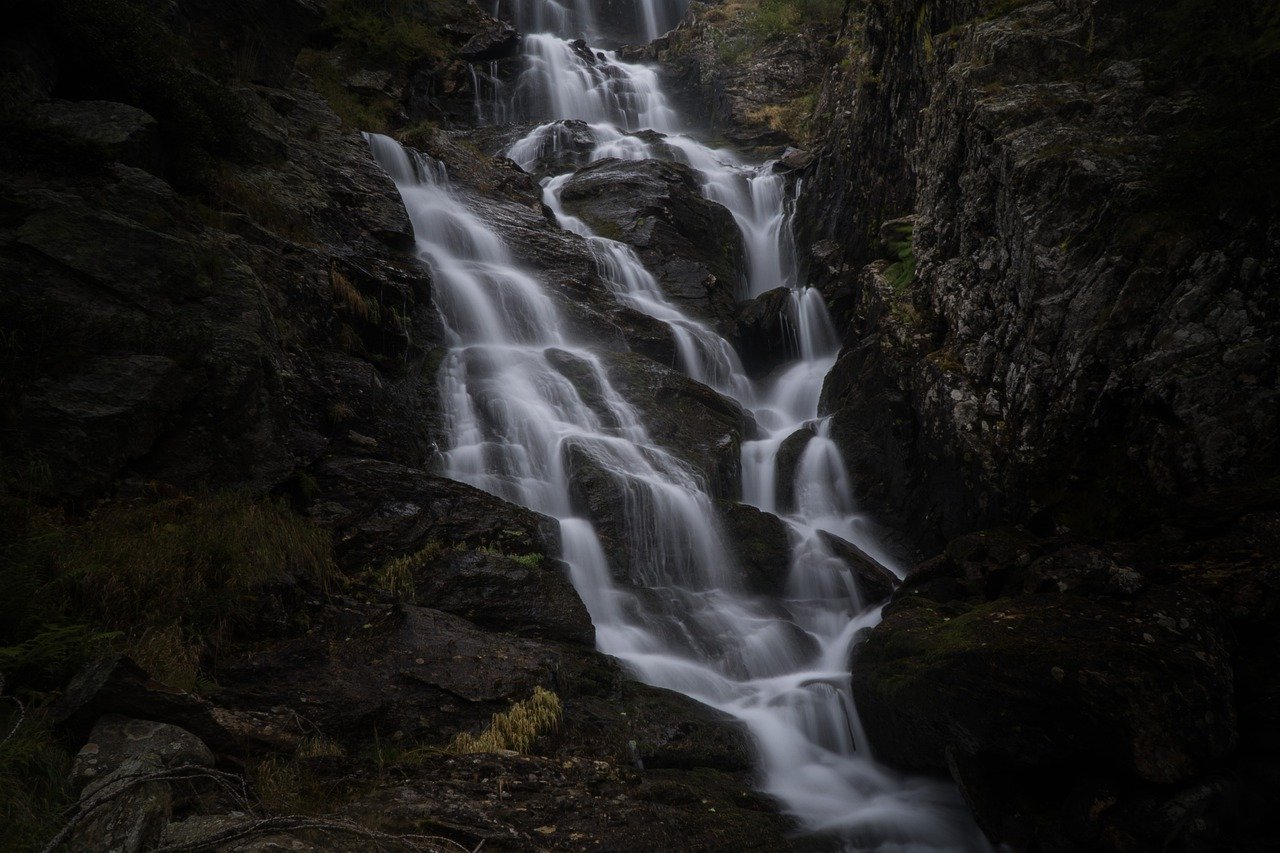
(234, 786)
(118, 787)
(22, 713)
(302, 823)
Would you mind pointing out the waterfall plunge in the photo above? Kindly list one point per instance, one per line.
(517, 427)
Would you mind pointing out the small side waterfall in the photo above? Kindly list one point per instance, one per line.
(521, 426)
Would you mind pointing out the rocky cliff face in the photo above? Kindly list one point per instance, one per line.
(1061, 336)
(1047, 324)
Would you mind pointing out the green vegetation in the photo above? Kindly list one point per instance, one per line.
(165, 581)
(737, 28)
(355, 113)
(387, 32)
(902, 272)
(771, 18)
(793, 118)
(34, 786)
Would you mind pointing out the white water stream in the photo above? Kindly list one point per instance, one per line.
(520, 428)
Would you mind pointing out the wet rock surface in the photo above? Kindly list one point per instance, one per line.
(1032, 356)
(761, 544)
(1083, 693)
(701, 427)
(689, 243)
(765, 338)
(758, 91)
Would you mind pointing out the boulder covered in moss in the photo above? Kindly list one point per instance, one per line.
(1051, 683)
(760, 543)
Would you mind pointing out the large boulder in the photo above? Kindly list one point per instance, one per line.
(433, 674)
(380, 511)
(116, 739)
(528, 595)
(787, 465)
(766, 331)
(760, 543)
(701, 427)
(123, 132)
(875, 581)
(1037, 674)
(690, 244)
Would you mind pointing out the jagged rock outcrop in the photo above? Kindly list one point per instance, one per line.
(766, 338)
(1107, 696)
(690, 244)
(1057, 330)
(757, 84)
(216, 342)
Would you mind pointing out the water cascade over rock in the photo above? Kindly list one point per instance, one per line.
(535, 415)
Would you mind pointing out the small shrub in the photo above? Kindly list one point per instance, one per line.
(319, 747)
(349, 298)
(354, 113)
(235, 189)
(396, 577)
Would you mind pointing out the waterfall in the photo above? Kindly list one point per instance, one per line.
(522, 427)
(575, 19)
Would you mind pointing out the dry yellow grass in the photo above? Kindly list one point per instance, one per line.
(518, 729)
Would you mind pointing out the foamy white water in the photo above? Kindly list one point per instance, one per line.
(519, 427)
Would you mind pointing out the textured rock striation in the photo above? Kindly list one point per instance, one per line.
(1070, 341)
(1044, 328)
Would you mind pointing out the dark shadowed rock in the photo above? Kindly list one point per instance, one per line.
(703, 428)
(875, 582)
(116, 739)
(766, 337)
(1014, 695)
(787, 465)
(432, 675)
(117, 686)
(690, 244)
(528, 595)
(380, 510)
(125, 133)
(761, 544)
(605, 710)
(498, 40)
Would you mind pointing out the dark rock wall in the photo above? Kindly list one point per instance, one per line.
(1071, 344)
(220, 335)
(1041, 327)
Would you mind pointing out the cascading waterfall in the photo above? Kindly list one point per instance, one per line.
(520, 427)
(575, 18)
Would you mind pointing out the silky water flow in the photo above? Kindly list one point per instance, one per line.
(669, 608)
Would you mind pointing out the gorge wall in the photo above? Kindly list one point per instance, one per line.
(1054, 259)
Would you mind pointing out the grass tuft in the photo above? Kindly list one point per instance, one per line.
(518, 729)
